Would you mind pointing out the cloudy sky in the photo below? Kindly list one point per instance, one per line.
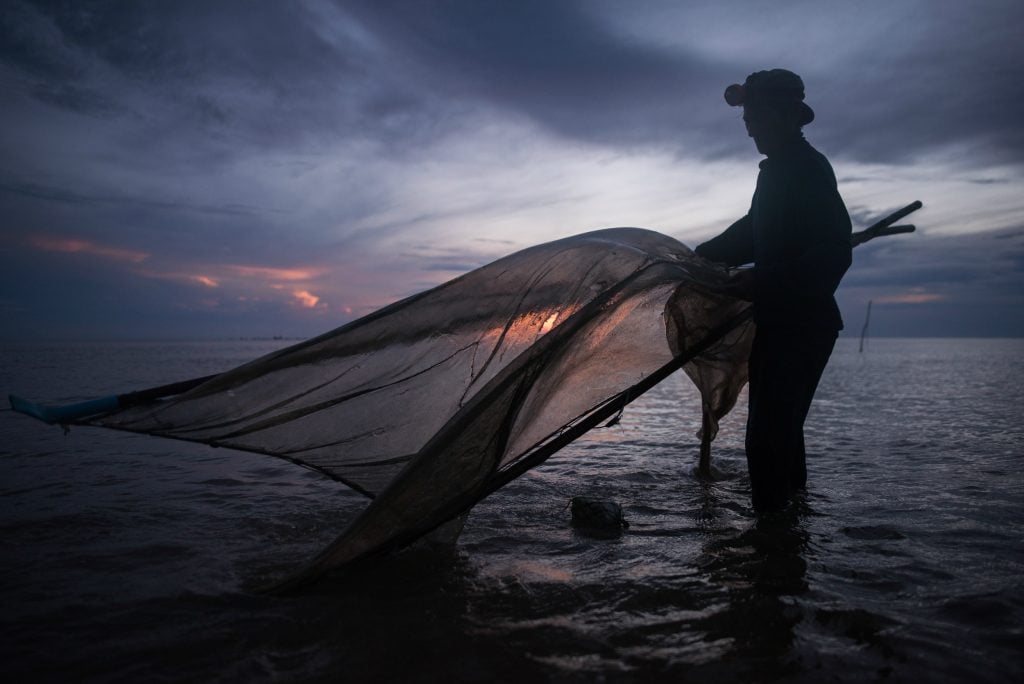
(197, 169)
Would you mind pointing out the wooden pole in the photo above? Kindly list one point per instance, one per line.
(885, 227)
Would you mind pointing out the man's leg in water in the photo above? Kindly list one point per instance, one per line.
(814, 351)
(767, 413)
(785, 367)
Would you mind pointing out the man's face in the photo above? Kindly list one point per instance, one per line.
(767, 127)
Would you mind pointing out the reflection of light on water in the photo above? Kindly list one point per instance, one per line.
(532, 571)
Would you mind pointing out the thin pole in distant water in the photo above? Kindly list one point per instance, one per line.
(864, 330)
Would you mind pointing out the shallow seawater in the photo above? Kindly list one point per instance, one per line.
(128, 558)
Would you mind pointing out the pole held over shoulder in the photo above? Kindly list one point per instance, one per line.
(885, 227)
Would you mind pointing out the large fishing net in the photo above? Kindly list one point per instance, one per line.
(430, 404)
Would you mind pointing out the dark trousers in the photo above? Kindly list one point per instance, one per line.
(785, 366)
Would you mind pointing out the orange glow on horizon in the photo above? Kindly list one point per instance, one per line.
(243, 282)
(252, 283)
(917, 296)
(74, 246)
(288, 274)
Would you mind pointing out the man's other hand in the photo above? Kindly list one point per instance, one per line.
(741, 284)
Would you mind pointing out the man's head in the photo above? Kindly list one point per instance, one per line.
(773, 107)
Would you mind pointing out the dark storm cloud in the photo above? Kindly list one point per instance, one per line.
(176, 67)
(948, 76)
(398, 73)
(233, 74)
(553, 61)
(281, 133)
(952, 260)
(46, 193)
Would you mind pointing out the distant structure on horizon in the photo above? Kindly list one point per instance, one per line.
(864, 330)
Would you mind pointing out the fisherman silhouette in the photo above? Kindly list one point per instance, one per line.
(797, 235)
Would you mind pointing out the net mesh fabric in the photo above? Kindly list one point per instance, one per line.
(431, 403)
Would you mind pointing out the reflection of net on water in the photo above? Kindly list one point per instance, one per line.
(431, 403)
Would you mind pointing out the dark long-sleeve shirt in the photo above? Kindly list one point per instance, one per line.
(797, 234)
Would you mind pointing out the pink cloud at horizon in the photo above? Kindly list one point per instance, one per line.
(78, 246)
(348, 290)
(917, 296)
(306, 299)
(273, 273)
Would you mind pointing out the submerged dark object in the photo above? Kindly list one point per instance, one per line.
(432, 403)
(590, 513)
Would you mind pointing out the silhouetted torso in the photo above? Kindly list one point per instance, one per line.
(797, 234)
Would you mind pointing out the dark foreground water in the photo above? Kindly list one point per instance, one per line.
(127, 558)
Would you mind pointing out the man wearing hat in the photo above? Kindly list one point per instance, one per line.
(797, 236)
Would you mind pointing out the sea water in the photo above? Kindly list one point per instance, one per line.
(130, 558)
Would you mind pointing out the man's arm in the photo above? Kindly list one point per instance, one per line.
(733, 247)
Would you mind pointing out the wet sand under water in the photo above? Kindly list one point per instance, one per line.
(129, 558)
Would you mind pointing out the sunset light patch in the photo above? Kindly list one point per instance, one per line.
(916, 296)
(73, 246)
(248, 283)
(287, 274)
(306, 299)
